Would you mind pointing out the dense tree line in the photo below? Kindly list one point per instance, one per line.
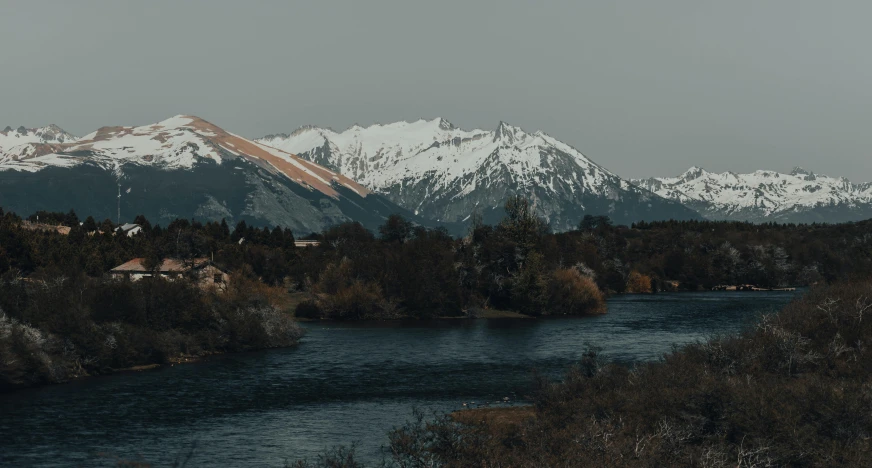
(690, 255)
(517, 265)
(409, 270)
(404, 270)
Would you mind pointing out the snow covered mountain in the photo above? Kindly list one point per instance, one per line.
(446, 173)
(10, 137)
(181, 167)
(800, 196)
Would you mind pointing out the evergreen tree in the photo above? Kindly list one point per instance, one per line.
(90, 225)
(395, 229)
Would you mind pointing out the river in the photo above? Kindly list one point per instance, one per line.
(346, 383)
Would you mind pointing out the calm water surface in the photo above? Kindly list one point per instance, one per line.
(345, 383)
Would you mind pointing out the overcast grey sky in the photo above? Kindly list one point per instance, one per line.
(642, 87)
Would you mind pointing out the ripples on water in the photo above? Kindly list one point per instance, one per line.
(345, 383)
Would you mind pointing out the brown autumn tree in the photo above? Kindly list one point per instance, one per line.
(637, 283)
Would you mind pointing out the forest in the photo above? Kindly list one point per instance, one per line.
(405, 270)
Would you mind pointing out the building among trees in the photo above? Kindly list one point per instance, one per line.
(129, 229)
(200, 270)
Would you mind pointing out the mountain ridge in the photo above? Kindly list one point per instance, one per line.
(187, 167)
(763, 195)
(430, 170)
(49, 134)
(446, 173)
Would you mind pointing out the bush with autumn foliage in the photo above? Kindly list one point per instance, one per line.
(637, 283)
(571, 293)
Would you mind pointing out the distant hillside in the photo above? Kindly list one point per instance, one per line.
(799, 197)
(180, 167)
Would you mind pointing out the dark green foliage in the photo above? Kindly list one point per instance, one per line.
(396, 229)
(410, 270)
(308, 310)
(423, 273)
(47, 217)
(89, 225)
(702, 254)
(55, 328)
(592, 223)
(511, 266)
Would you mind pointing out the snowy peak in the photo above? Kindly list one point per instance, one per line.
(763, 195)
(383, 154)
(180, 142)
(508, 134)
(800, 171)
(693, 173)
(50, 134)
(446, 172)
(445, 125)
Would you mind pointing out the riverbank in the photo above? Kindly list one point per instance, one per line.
(478, 315)
(62, 329)
(786, 392)
(181, 359)
(81, 375)
(748, 287)
(300, 297)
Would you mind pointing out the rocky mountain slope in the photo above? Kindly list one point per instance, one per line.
(181, 167)
(10, 137)
(446, 173)
(800, 196)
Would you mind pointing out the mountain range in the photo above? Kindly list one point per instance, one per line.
(429, 171)
(181, 167)
(10, 137)
(800, 196)
(445, 173)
